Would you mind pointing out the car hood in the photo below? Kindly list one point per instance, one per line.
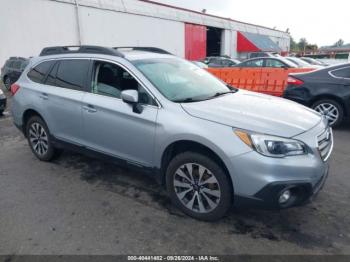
(256, 112)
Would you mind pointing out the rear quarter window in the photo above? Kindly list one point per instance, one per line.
(342, 72)
(72, 74)
(39, 72)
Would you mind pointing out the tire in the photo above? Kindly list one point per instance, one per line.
(7, 83)
(42, 148)
(214, 185)
(330, 108)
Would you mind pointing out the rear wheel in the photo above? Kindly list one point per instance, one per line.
(331, 109)
(199, 186)
(7, 83)
(39, 139)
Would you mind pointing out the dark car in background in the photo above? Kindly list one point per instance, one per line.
(275, 62)
(2, 102)
(326, 91)
(12, 70)
(220, 61)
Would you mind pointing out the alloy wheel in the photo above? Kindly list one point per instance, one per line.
(197, 188)
(329, 110)
(38, 138)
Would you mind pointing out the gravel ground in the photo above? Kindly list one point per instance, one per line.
(79, 205)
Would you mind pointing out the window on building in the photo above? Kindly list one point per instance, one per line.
(38, 73)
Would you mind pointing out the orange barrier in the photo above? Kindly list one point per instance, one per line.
(270, 81)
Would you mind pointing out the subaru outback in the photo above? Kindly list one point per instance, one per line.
(211, 145)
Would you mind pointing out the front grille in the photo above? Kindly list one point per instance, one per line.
(325, 143)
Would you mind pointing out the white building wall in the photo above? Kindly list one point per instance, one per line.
(26, 26)
(101, 27)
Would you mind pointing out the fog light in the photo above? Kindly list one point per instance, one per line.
(284, 197)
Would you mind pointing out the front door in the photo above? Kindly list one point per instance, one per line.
(110, 125)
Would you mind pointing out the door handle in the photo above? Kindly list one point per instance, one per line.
(44, 96)
(90, 108)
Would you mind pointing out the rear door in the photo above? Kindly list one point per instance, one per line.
(64, 89)
(110, 125)
(342, 76)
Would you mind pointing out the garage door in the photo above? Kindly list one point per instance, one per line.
(195, 41)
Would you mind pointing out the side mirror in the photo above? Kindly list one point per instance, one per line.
(131, 97)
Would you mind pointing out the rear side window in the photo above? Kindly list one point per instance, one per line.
(274, 63)
(72, 74)
(343, 72)
(253, 63)
(38, 73)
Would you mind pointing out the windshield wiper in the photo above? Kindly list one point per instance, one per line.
(185, 100)
(222, 93)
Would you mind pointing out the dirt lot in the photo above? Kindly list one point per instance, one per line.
(78, 205)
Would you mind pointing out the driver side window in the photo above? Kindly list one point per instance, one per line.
(110, 80)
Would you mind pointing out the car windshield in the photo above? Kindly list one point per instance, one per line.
(311, 61)
(181, 81)
(298, 61)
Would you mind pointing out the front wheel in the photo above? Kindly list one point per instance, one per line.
(331, 109)
(39, 139)
(199, 186)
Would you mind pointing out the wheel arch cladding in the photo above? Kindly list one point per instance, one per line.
(26, 116)
(180, 146)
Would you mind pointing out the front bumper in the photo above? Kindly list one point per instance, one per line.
(259, 180)
(268, 196)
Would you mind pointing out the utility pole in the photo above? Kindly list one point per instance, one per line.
(77, 12)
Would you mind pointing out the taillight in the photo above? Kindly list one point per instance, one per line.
(294, 81)
(14, 89)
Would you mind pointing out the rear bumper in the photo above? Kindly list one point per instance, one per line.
(298, 94)
(268, 196)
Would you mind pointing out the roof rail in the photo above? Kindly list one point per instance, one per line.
(144, 48)
(18, 57)
(85, 49)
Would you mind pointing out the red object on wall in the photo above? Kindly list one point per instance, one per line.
(195, 42)
(244, 45)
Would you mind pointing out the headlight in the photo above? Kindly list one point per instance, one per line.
(272, 146)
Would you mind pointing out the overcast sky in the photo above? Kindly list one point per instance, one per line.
(321, 22)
